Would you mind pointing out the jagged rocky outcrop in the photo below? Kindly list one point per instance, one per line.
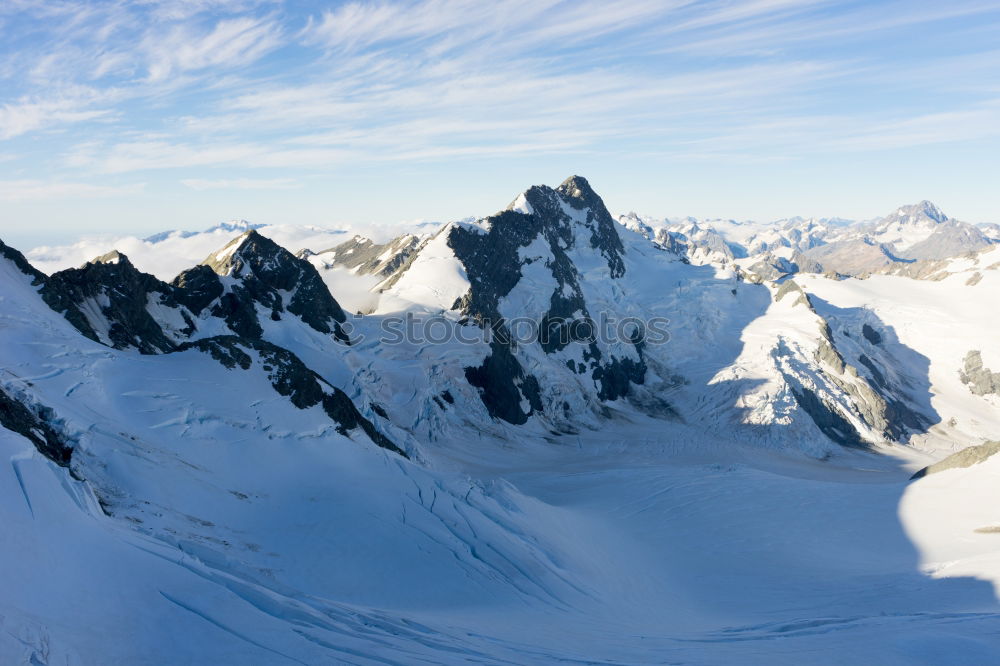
(850, 387)
(771, 267)
(263, 274)
(980, 380)
(38, 424)
(561, 224)
(109, 301)
(880, 399)
(660, 237)
(366, 257)
(17, 259)
(967, 457)
(792, 287)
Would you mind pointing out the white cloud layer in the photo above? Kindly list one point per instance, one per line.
(167, 254)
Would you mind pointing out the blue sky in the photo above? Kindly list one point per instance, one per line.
(141, 116)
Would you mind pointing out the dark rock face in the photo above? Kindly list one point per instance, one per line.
(503, 385)
(615, 377)
(829, 420)
(36, 425)
(225, 349)
(571, 217)
(263, 275)
(492, 262)
(493, 266)
(121, 293)
(873, 369)
(265, 270)
(290, 377)
(871, 335)
(197, 288)
(604, 237)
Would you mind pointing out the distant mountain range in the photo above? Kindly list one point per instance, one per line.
(909, 235)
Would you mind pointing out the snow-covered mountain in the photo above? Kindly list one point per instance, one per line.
(920, 232)
(553, 437)
(910, 234)
(231, 227)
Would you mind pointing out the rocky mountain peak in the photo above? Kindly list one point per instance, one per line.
(576, 213)
(924, 210)
(633, 222)
(236, 225)
(113, 258)
(275, 278)
(578, 189)
(107, 298)
(249, 250)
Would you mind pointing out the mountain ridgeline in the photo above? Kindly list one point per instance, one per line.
(216, 307)
(561, 222)
(912, 241)
(588, 286)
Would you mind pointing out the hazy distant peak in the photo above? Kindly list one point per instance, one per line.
(925, 210)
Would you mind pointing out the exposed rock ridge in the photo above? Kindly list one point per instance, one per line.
(570, 219)
(967, 457)
(980, 380)
(276, 279)
(111, 302)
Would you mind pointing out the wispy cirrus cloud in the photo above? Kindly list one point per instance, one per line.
(449, 25)
(28, 114)
(229, 43)
(70, 62)
(409, 74)
(213, 93)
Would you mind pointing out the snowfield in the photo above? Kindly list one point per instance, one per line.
(709, 516)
